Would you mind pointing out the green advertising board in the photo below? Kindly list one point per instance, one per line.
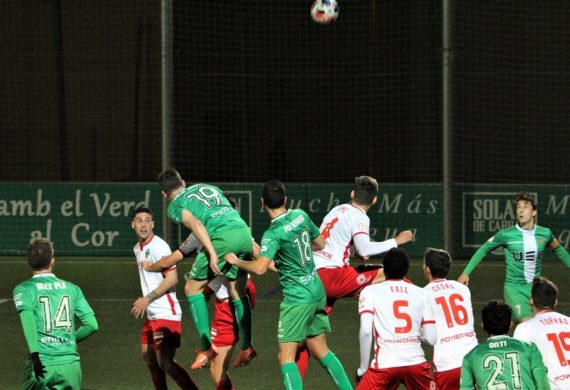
(93, 219)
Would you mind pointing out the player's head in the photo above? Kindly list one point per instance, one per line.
(526, 197)
(142, 223)
(497, 318)
(40, 254)
(169, 180)
(365, 190)
(396, 263)
(438, 262)
(526, 209)
(273, 195)
(544, 293)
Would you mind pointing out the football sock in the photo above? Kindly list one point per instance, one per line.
(181, 377)
(302, 360)
(336, 371)
(242, 311)
(158, 377)
(200, 316)
(291, 377)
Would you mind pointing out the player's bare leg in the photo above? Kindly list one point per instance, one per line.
(199, 312)
(219, 367)
(165, 360)
(157, 375)
(289, 371)
(242, 310)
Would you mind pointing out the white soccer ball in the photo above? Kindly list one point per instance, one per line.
(324, 11)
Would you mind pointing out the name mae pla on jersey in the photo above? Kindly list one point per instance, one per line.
(87, 205)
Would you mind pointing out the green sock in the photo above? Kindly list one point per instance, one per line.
(242, 311)
(291, 377)
(336, 371)
(201, 318)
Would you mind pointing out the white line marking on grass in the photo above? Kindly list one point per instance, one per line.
(4, 301)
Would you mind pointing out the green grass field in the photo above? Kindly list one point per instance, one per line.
(111, 358)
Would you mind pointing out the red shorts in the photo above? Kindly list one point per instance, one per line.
(448, 380)
(417, 377)
(159, 332)
(224, 330)
(346, 281)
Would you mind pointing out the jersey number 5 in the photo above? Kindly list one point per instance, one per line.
(402, 315)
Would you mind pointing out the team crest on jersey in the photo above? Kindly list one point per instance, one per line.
(361, 279)
(147, 253)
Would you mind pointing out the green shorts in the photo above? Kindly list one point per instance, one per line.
(58, 376)
(299, 321)
(517, 296)
(236, 241)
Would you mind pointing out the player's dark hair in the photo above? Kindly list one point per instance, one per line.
(544, 293)
(496, 317)
(169, 180)
(396, 263)
(365, 189)
(141, 209)
(438, 261)
(526, 196)
(40, 253)
(273, 194)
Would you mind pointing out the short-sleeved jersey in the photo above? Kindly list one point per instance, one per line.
(550, 331)
(399, 309)
(502, 362)
(54, 303)
(209, 205)
(524, 250)
(288, 242)
(339, 226)
(454, 322)
(166, 307)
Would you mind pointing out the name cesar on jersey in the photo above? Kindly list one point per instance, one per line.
(293, 224)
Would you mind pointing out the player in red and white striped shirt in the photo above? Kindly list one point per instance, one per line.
(550, 331)
(160, 335)
(453, 315)
(398, 316)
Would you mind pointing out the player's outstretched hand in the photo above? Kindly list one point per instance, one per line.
(39, 368)
(463, 279)
(214, 264)
(139, 307)
(404, 237)
(231, 258)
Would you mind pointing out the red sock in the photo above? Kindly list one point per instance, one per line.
(158, 377)
(302, 360)
(181, 377)
(225, 384)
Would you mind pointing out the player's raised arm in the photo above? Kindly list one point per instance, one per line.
(560, 252)
(489, 245)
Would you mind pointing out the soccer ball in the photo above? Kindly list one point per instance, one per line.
(324, 11)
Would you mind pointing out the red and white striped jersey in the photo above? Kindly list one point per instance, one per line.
(454, 322)
(166, 307)
(399, 310)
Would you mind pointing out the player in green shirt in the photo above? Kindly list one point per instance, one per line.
(48, 306)
(288, 242)
(502, 362)
(205, 210)
(524, 245)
